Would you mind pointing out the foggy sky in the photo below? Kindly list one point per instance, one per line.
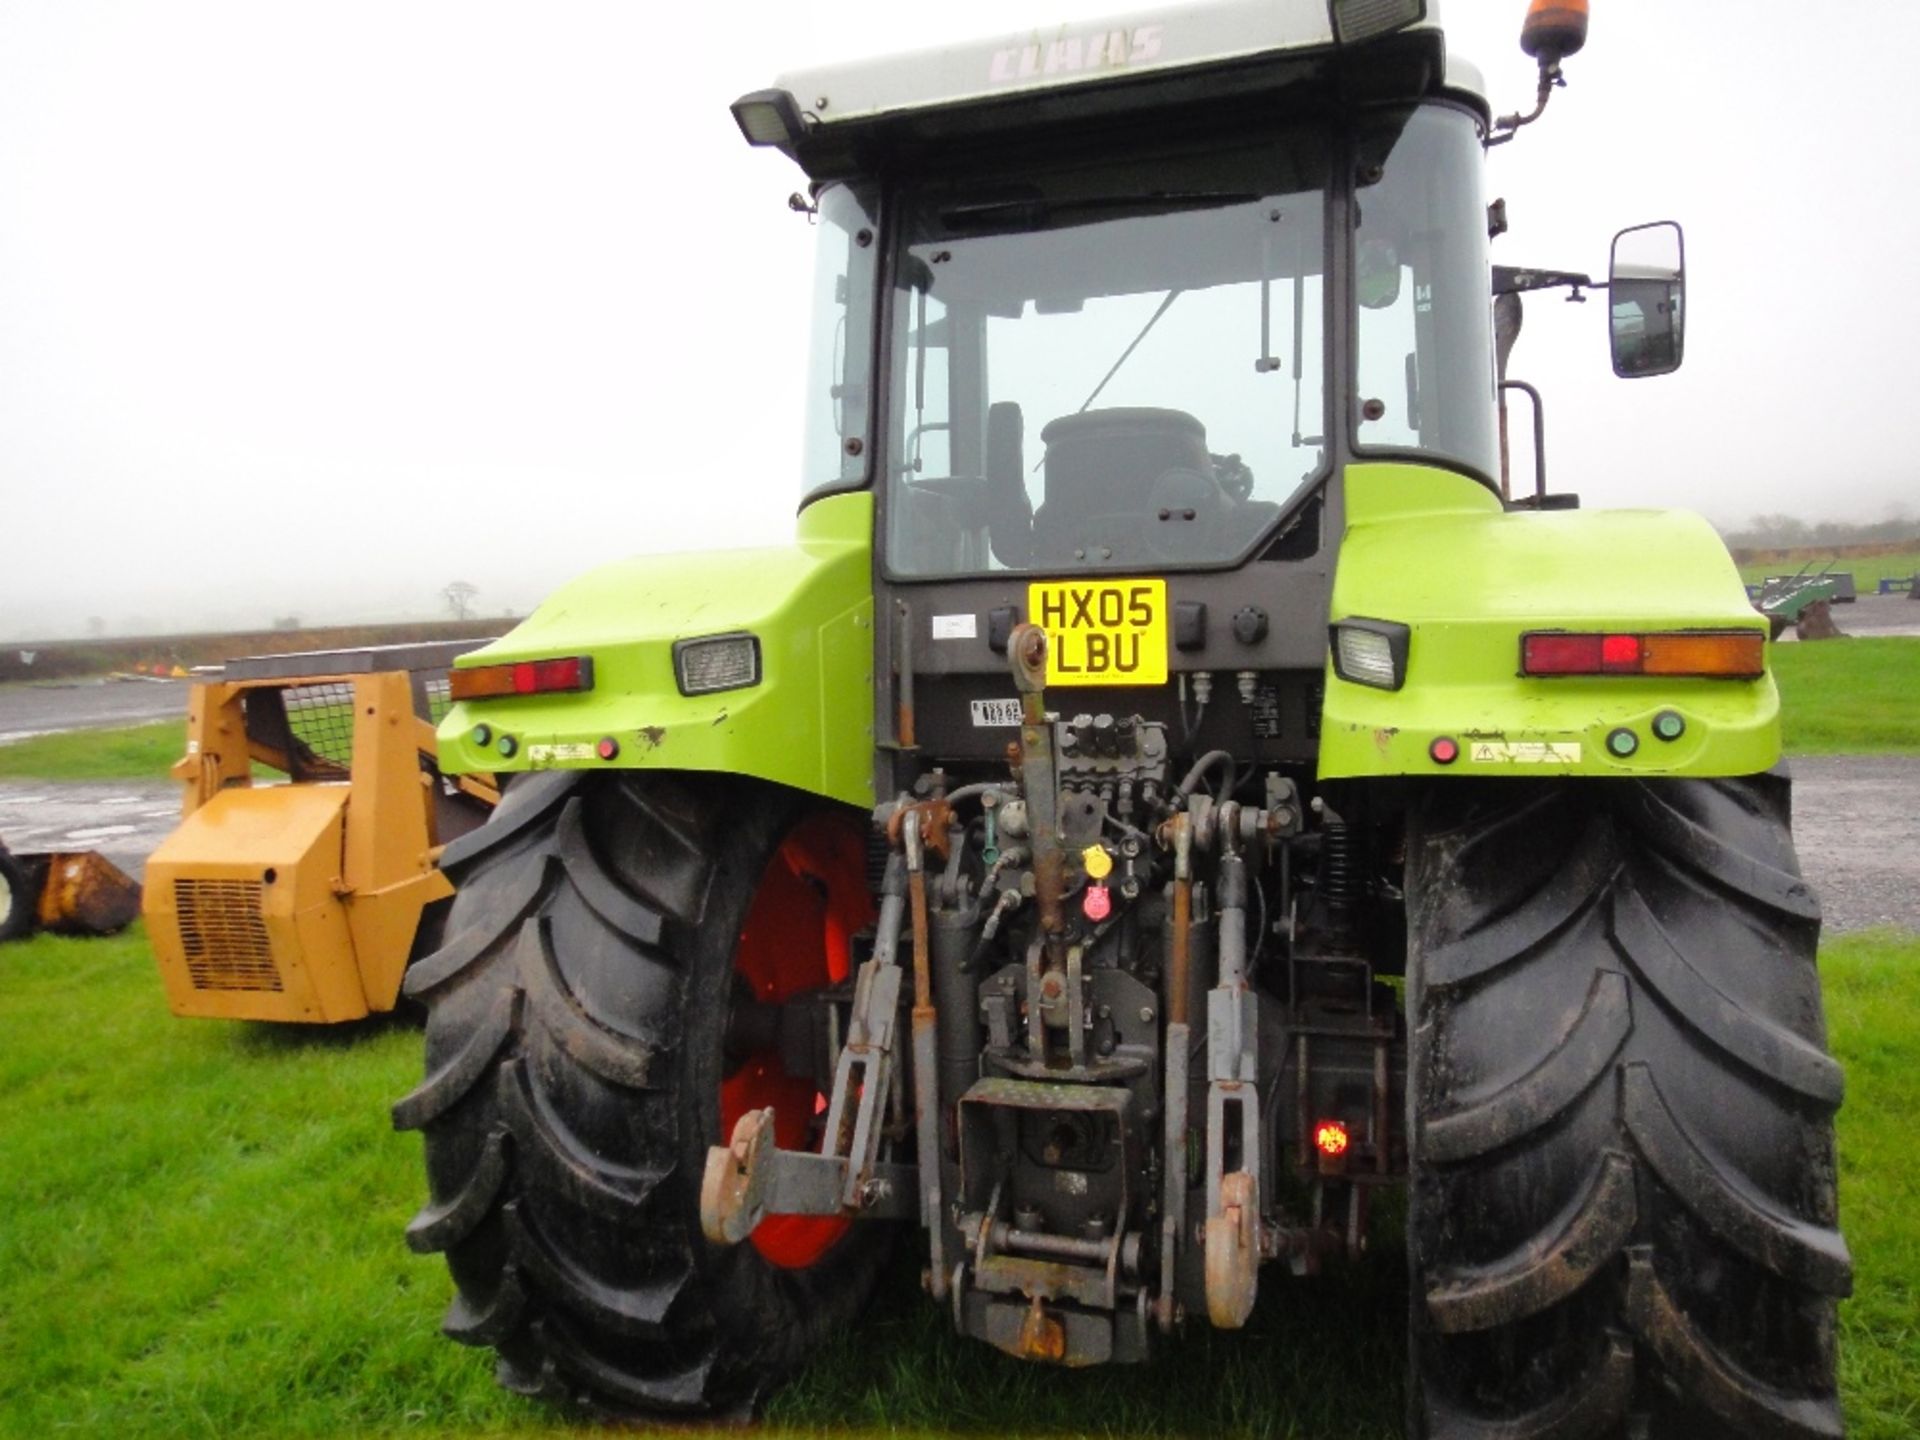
(313, 308)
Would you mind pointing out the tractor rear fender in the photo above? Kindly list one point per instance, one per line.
(808, 720)
(1437, 552)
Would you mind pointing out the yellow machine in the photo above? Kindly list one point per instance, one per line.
(302, 894)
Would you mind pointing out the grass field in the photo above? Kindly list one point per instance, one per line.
(1849, 697)
(128, 752)
(200, 1235)
(1867, 570)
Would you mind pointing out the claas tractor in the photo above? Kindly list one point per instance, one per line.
(1169, 796)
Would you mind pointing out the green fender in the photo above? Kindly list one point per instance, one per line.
(808, 723)
(1437, 552)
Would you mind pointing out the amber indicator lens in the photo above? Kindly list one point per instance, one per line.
(1742, 656)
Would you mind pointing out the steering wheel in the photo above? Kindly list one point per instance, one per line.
(1235, 478)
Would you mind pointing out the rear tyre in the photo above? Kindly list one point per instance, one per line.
(1623, 1209)
(16, 905)
(578, 1068)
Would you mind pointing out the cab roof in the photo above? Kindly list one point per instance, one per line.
(855, 116)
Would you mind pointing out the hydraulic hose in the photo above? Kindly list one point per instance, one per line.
(1200, 767)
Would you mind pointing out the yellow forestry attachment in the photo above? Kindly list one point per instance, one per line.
(69, 892)
(302, 894)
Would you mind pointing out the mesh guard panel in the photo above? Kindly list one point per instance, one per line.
(321, 718)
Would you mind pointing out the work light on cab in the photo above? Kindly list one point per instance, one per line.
(769, 117)
(1357, 20)
(522, 677)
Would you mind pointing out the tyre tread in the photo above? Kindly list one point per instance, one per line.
(560, 1124)
(1702, 1243)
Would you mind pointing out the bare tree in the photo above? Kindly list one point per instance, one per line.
(459, 597)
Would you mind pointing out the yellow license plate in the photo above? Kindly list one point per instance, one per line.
(1103, 632)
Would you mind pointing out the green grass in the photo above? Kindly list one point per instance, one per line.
(129, 752)
(1873, 1014)
(1867, 570)
(147, 751)
(1849, 697)
(200, 1235)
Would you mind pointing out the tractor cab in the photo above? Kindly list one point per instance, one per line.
(1098, 320)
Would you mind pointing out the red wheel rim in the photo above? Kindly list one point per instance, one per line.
(798, 936)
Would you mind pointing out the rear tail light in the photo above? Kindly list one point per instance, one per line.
(1721, 654)
(522, 677)
(1331, 1138)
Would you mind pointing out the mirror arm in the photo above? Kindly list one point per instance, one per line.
(1516, 280)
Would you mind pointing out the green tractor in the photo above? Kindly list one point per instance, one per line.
(1168, 794)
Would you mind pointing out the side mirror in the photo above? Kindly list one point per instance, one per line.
(1646, 292)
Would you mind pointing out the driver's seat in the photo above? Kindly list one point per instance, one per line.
(1110, 474)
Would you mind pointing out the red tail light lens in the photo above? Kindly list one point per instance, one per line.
(1331, 1139)
(1620, 652)
(524, 677)
(1721, 654)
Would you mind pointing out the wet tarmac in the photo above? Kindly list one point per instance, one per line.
(123, 819)
(39, 708)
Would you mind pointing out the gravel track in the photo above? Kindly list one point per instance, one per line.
(1856, 823)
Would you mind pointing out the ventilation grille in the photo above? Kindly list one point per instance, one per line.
(224, 935)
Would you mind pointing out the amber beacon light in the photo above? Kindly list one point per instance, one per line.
(1554, 29)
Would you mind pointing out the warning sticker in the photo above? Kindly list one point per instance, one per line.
(996, 712)
(558, 754)
(1523, 752)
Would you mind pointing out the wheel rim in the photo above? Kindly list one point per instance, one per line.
(812, 899)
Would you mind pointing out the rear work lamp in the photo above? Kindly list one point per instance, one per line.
(1357, 20)
(522, 677)
(1371, 652)
(769, 117)
(717, 662)
(1715, 654)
